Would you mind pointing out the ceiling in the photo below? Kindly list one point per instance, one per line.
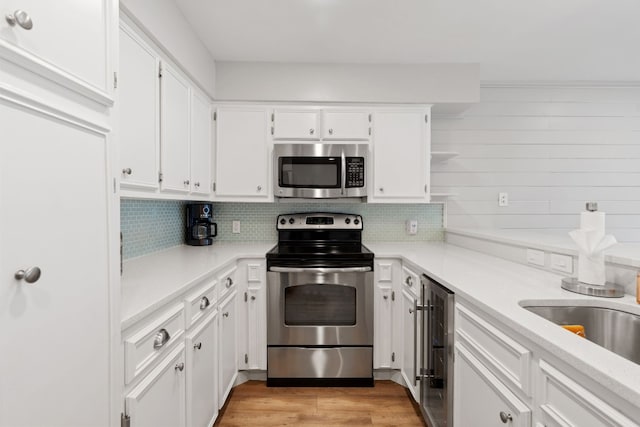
(512, 40)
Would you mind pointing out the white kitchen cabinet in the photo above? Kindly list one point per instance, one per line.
(296, 124)
(252, 315)
(315, 124)
(410, 329)
(202, 373)
(67, 44)
(242, 165)
(56, 327)
(200, 144)
(401, 156)
(346, 124)
(159, 400)
(480, 398)
(174, 131)
(138, 112)
(387, 339)
(227, 356)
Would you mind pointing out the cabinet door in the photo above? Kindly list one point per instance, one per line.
(227, 347)
(202, 375)
(346, 125)
(302, 124)
(138, 113)
(382, 329)
(174, 139)
(401, 151)
(55, 333)
(410, 328)
(200, 145)
(480, 398)
(257, 314)
(242, 154)
(159, 400)
(68, 42)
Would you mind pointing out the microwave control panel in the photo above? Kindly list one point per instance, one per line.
(355, 172)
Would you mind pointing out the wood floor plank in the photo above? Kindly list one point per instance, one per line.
(255, 404)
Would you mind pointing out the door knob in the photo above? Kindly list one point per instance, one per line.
(21, 18)
(179, 367)
(30, 275)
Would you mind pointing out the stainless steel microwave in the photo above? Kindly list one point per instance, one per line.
(320, 171)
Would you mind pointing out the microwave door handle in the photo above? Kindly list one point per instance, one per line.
(343, 174)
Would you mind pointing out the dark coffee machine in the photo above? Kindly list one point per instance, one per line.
(200, 227)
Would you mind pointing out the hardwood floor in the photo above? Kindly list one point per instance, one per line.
(254, 404)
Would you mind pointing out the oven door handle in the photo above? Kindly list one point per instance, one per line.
(320, 269)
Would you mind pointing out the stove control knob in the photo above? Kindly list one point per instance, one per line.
(291, 221)
(356, 221)
(347, 220)
(283, 221)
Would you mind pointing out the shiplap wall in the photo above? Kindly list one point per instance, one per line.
(550, 149)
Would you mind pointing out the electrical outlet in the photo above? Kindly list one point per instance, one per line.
(503, 199)
(236, 227)
(412, 226)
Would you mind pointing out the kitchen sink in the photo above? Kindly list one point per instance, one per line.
(615, 330)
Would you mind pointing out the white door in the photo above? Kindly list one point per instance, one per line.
(200, 144)
(296, 124)
(401, 156)
(138, 113)
(257, 334)
(159, 400)
(242, 153)
(409, 326)
(383, 325)
(174, 139)
(202, 373)
(227, 347)
(346, 125)
(55, 332)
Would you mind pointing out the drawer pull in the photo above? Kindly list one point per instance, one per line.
(162, 336)
(21, 18)
(197, 346)
(228, 282)
(179, 367)
(505, 418)
(225, 314)
(409, 281)
(204, 303)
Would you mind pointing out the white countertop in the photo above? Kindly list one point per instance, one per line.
(496, 285)
(627, 254)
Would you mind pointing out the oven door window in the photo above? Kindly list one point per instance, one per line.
(309, 172)
(320, 305)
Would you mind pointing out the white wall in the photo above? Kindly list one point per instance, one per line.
(440, 84)
(165, 24)
(550, 149)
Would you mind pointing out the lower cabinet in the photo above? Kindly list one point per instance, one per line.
(387, 339)
(410, 348)
(228, 362)
(202, 373)
(159, 399)
(480, 398)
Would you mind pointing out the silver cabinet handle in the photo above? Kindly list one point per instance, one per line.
(196, 184)
(381, 189)
(505, 418)
(259, 187)
(179, 367)
(311, 131)
(225, 314)
(126, 171)
(228, 283)
(21, 18)
(408, 281)
(330, 131)
(162, 336)
(185, 182)
(410, 311)
(253, 298)
(197, 346)
(30, 275)
(385, 296)
(204, 303)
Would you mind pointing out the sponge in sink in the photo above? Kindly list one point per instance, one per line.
(576, 329)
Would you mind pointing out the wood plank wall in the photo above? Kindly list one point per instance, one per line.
(550, 149)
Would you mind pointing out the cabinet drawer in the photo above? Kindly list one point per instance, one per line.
(227, 281)
(507, 359)
(566, 403)
(200, 302)
(410, 281)
(145, 346)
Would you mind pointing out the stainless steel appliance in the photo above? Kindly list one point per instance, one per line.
(320, 171)
(320, 302)
(436, 367)
(200, 226)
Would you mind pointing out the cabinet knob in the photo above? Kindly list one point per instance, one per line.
(185, 182)
(330, 131)
(126, 171)
(204, 303)
(411, 311)
(21, 18)
(196, 184)
(30, 275)
(381, 189)
(197, 346)
(179, 367)
(161, 338)
(505, 418)
(409, 281)
(259, 187)
(253, 298)
(225, 314)
(385, 296)
(312, 131)
(228, 283)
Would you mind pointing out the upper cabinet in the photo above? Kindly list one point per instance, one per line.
(201, 121)
(314, 124)
(242, 154)
(401, 156)
(62, 42)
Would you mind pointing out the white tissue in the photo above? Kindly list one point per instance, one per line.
(592, 242)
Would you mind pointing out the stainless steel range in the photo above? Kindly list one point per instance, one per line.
(320, 302)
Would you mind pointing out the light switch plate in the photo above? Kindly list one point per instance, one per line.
(535, 257)
(562, 263)
(236, 227)
(412, 226)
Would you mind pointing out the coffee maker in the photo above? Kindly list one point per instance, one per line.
(200, 227)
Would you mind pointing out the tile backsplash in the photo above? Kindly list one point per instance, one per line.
(152, 225)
